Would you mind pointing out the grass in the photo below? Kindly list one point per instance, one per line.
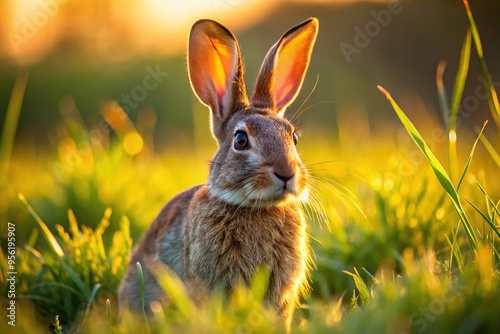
(407, 246)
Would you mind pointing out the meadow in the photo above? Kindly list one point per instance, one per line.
(404, 223)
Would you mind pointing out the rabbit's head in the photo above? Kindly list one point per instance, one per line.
(257, 163)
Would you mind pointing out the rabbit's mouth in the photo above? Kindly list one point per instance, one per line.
(250, 196)
(281, 199)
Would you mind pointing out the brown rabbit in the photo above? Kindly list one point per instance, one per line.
(249, 214)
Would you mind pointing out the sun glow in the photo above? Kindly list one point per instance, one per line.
(114, 29)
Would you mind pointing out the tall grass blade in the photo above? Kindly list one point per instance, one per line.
(491, 150)
(53, 243)
(438, 169)
(458, 89)
(90, 301)
(490, 201)
(57, 285)
(10, 125)
(93, 295)
(33, 237)
(469, 159)
(140, 278)
(455, 251)
(486, 218)
(375, 280)
(442, 97)
(492, 94)
(108, 314)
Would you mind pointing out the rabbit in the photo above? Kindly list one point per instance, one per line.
(249, 214)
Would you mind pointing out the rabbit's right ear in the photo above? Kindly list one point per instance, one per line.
(283, 70)
(216, 71)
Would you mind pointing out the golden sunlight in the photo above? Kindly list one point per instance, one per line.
(115, 30)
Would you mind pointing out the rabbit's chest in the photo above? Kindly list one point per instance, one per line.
(226, 249)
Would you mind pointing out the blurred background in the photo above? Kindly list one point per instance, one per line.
(83, 56)
(99, 50)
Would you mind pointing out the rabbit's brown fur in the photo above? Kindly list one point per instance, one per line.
(248, 215)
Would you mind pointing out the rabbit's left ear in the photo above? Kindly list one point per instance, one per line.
(216, 71)
(283, 70)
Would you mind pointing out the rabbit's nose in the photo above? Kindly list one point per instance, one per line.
(283, 178)
(284, 171)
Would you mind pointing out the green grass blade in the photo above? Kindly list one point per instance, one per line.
(458, 89)
(492, 94)
(445, 110)
(486, 218)
(108, 314)
(77, 280)
(54, 244)
(491, 150)
(33, 237)
(375, 280)
(140, 278)
(438, 169)
(360, 285)
(455, 251)
(46, 301)
(10, 125)
(91, 299)
(469, 159)
(93, 295)
(56, 285)
(489, 199)
(443, 98)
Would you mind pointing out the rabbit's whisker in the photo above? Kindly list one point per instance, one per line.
(339, 191)
(292, 119)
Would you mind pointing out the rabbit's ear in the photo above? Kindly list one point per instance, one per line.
(283, 70)
(216, 71)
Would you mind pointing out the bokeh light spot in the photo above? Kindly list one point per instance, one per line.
(133, 143)
(452, 136)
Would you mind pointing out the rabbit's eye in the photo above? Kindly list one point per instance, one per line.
(241, 141)
(295, 138)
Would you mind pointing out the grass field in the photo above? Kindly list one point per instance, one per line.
(405, 232)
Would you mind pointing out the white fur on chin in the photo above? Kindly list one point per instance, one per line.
(256, 198)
